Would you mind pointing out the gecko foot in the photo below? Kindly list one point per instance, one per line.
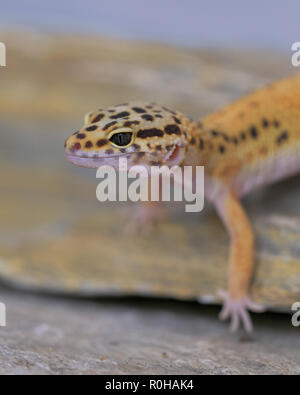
(144, 218)
(237, 311)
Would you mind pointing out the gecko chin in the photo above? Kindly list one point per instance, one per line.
(93, 160)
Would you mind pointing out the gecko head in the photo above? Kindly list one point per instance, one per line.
(145, 134)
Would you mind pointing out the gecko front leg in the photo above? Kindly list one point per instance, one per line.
(241, 262)
(146, 214)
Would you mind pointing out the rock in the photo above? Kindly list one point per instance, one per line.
(56, 236)
(63, 77)
(55, 335)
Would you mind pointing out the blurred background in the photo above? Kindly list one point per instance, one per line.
(257, 24)
(65, 58)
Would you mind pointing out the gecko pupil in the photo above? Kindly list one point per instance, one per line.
(121, 139)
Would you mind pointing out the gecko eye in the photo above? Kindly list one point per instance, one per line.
(121, 139)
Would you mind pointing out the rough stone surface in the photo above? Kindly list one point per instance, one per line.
(55, 335)
(55, 236)
(62, 77)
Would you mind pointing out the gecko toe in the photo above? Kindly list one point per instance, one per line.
(237, 311)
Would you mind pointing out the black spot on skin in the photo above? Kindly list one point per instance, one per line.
(147, 117)
(222, 149)
(101, 142)
(158, 116)
(276, 124)
(140, 154)
(253, 132)
(282, 137)
(130, 123)
(243, 136)
(184, 133)
(265, 123)
(108, 125)
(177, 120)
(144, 133)
(88, 144)
(201, 144)
(169, 147)
(172, 129)
(111, 110)
(91, 128)
(120, 115)
(156, 111)
(193, 141)
(139, 110)
(214, 133)
(158, 148)
(81, 136)
(97, 118)
(109, 151)
(149, 107)
(136, 147)
(235, 140)
(149, 145)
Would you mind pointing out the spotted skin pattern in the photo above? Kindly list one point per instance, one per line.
(252, 142)
(158, 133)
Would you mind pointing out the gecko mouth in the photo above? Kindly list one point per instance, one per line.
(95, 161)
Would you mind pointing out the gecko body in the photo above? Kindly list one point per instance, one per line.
(252, 142)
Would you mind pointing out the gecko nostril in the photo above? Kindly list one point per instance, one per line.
(75, 147)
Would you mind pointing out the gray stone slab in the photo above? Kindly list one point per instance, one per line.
(55, 335)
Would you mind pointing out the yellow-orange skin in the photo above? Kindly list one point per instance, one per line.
(277, 103)
(236, 145)
(273, 111)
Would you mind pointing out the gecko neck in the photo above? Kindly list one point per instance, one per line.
(199, 147)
